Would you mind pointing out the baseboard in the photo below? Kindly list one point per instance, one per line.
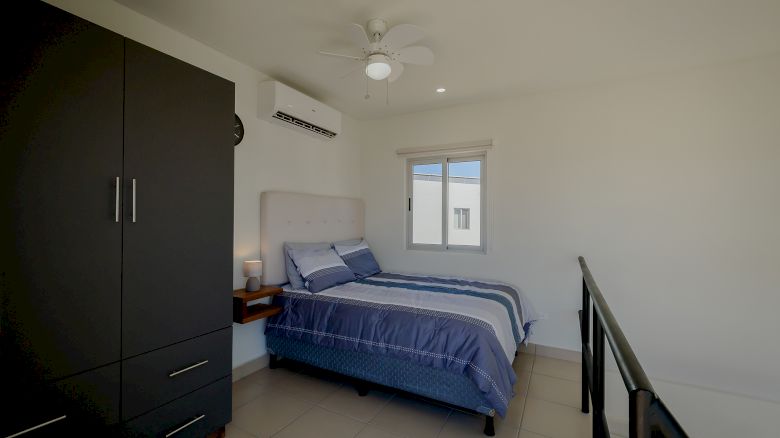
(250, 367)
(558, 353)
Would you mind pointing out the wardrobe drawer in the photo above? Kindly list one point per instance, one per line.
(194, 415)
(155, 378)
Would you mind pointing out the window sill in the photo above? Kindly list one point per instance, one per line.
(448, 250)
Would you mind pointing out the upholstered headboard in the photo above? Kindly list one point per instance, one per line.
(300, 217)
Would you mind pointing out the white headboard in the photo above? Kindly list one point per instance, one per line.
(300, 217)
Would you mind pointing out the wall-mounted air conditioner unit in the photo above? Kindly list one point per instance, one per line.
(285, 106)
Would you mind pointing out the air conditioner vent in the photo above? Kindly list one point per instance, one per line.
(303, 124)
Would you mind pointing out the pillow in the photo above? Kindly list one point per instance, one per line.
(357, 255)
(293, 276)
(321, 268)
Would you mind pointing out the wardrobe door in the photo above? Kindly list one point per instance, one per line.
(60, 158)
(178, 227)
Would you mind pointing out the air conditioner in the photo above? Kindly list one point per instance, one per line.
(285, 106)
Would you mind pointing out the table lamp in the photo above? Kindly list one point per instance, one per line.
(252, 270)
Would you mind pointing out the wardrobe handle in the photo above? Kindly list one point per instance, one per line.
(133, 200)
(37, 427)
(191, 367)
(188, 424)
(116, 201)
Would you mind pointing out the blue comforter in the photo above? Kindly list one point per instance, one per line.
(469, 327)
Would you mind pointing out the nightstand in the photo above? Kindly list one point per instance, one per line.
(243, 313)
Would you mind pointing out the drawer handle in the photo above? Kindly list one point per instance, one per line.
(191, 367)
(116, 201)
(37, 427)
(184, 426)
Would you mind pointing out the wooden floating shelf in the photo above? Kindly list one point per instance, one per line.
(243, 313)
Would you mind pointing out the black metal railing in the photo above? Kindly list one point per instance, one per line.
(648, 416)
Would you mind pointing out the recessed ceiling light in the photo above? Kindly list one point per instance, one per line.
(441, 90)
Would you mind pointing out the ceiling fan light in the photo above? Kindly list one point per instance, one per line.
(378, 68)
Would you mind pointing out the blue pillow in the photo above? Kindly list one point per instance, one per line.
(293, 276)
(358, 256)
(321, 268)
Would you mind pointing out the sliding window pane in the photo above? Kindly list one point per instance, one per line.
(464, 191)
(427, 204)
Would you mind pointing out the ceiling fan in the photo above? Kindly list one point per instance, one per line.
(385, 51)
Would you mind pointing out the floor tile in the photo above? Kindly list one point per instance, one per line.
(268, 414)
(411, 418)
(527, 434)
(232, 431)
(562, 369)
(267, 375)
(555, 420)
(521, 385)
(372, 431)
(319, 423)
(311, 389)
(462, 425)
(523, 362)
(514, 415)
(346, 401)
(244, 391)
(558, 353)
(566, 392)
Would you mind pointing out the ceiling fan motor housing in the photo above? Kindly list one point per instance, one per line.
(376, 28)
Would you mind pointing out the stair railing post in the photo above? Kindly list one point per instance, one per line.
(585, 334)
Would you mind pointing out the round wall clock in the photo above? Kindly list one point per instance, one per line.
(238, 130)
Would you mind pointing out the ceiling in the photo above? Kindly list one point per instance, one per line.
(484, 49)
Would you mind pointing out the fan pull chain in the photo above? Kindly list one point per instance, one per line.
(387, 93)
(367, 96)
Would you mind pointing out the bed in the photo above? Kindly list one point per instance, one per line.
(448, 339)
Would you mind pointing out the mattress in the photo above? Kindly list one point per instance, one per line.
(468, 327)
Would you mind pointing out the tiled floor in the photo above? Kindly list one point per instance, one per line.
(294, 404)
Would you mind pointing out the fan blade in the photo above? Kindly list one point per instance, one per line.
(340, 55)
(415, 55)
(360, 67)
(402, 35)
(358, 35)
(396, 68)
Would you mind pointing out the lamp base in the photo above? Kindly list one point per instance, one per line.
(252, 284)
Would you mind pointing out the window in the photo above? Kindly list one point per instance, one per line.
(462, 218)
(446, 203)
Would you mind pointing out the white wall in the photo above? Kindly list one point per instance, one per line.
(668, 185)
(269, 158)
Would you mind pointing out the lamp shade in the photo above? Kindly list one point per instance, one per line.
(378, 67)
(253, 268)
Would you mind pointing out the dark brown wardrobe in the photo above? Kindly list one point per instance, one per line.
(116, 181)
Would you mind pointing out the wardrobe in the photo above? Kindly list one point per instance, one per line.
(116, 234)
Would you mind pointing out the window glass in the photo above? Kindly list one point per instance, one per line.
(465, 200)
(427, 203)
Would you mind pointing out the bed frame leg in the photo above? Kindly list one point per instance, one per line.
(490, 428)
(273, 361)
(362, 388)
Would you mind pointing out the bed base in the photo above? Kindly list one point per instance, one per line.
(364, 386)
(368, 370)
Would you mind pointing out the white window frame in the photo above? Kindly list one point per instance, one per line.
(444, 160)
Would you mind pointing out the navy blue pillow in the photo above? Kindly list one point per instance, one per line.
(358, 257)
